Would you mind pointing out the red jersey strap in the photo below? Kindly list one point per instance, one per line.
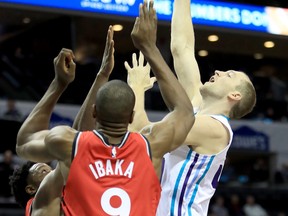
(28, 209)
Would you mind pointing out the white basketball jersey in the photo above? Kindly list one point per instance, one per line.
(189, 179)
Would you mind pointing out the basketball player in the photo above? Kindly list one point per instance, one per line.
(110, 165)
(36, 186)
(191, 172)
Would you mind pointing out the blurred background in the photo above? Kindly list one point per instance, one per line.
(33, 32)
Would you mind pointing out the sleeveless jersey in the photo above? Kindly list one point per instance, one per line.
(189, 179)
(106, 180)
(28, 209)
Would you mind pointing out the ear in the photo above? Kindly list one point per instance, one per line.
(94, 111)
(235, 96)
(30, 189)
(132, 117)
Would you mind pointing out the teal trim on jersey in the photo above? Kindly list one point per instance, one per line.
(178, 181)
(197, 185)
(196, 175)
(216, 114)
(226, 117)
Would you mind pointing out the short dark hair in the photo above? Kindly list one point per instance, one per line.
(115, 102)
(18, 183)
(248, 101)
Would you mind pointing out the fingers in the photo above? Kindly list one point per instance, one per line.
(109, 39)
(152, 80)
(145, 9)
(151, 5)
(110, 35)
(134, 60)
(152, 11)
(111, 32)
(72, 65)
(148, 66)
(127, 66)
(64, 57)
(141, 58)
(141, 11)
(112, 49)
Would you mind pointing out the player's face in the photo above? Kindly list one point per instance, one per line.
(223, 82)
(38, 172)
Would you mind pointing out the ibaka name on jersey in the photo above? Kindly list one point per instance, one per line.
(100, 169)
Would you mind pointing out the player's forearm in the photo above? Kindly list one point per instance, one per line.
(39, 117)
(84, 120)
(183, 48)
(140, 116)
(182, 33)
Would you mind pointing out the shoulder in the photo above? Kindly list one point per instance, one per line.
(216, 126)
(61, 132)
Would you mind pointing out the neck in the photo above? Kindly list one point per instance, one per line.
(113, 131)
(218, 107)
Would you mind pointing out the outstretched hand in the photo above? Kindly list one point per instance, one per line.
(64, 66)
(145, 27)
(107, 64)
(139, 74)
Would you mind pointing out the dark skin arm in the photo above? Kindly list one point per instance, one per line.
(171, 132)
(83, 121)
(30, 145)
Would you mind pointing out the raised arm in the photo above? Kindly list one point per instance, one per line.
(30, 137)
(173, 129)
(140, 81)
(83, 120)
(183, 50)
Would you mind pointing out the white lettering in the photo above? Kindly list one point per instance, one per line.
(93, 171)
(118, 167)
(129, 170)
(101, 169)
(229, 15)
(163, 7)
(109, 169)
(255, 18)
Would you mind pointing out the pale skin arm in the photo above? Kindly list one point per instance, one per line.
(140, 81)
(183, 50)
(84, 120)
(171, 132)
(30, 138)
(206, 130)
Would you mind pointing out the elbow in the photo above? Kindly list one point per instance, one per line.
(178, 46)
(189, 114)
(175, 47)
(18, 147)
(19, 151)
(190, 120)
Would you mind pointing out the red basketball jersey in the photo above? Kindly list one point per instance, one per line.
(29, 207)
(108, 180)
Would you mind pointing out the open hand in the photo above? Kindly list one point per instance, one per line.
(139, 74)
(107, 64)
(145, 27)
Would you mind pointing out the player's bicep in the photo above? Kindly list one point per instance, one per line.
(59, 142)
(168, 134)
(33, 147)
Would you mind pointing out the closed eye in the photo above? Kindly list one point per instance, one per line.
(230, 74)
